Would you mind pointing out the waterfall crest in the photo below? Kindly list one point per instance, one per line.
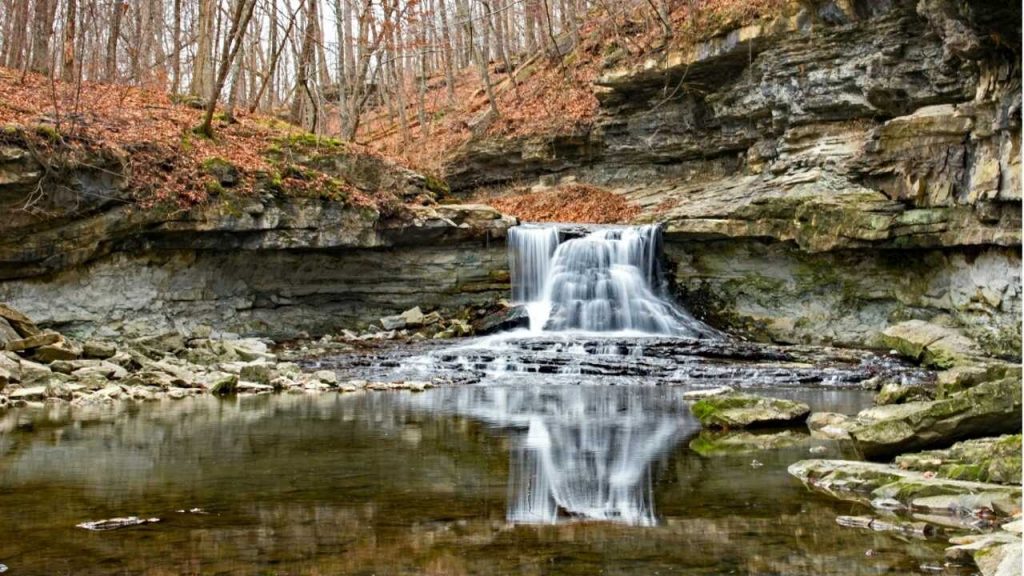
(605, 281)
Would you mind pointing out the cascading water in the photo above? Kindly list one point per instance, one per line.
(578, 451)
(605, 281)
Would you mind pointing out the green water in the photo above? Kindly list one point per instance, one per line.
(397, 483)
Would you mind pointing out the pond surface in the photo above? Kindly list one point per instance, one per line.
(497, 479)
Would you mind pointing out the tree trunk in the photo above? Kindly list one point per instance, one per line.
(116, 12)
(239, 22)
(202, 69)
(449, 67)
(176, 49)
(41, 34)
(303, 103)
(70, 25)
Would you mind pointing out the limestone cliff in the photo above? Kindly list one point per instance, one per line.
(821, 175)
(77, 254)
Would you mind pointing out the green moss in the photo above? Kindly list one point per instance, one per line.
(211, 165)
(297, 172)
(437, 185)
(972, 472)
(48, 131)
(213, 187)
(309, 140)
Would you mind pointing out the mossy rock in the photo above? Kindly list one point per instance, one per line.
(988, 408)
(226, 173)
(995, 460)
(738, 410)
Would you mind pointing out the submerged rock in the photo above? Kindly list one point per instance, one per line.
(738, 410)
(995, 460)
(988, 408)
(829, 425)
(116, 523)
(709, 443)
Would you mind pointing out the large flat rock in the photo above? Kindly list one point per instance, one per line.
(987, 409)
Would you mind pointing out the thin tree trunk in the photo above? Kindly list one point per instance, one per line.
(239, 22)
(176, 49)
(449, 72)
(116, 12)
(268, 78)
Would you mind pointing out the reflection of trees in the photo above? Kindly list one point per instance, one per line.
(398, 483)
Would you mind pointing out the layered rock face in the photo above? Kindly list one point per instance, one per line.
(839, 169)
(257, 263)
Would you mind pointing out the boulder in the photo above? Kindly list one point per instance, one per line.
(245, 387)
(18, 321)
(996, 460)
(100, 349)
(413, 317)
(503, 320)
(220, 383)
(104, 369)
(326, 376)
(899, 393)
(966, 376)
(250, 349)
(988, 408)
(460, 327)
(10, 371)
(996, 554)
(28, 393)
(7, 333)
(62, 350)
(259, 372)
(738, 410)
(931, 344)
(168, 342)
(32, 372)
(392, 322)
(829, 425)
(33, 342)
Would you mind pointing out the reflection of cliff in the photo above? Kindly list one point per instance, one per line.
(580, 451)
(392, 483)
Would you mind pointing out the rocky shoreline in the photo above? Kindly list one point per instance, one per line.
(43, 367)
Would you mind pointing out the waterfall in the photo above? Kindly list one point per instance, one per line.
(606, 281)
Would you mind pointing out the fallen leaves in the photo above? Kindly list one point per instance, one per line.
(578, 203)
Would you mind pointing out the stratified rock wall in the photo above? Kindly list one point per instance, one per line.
(254, 263)
(821, 175)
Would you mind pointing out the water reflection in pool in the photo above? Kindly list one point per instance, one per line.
(472, 480)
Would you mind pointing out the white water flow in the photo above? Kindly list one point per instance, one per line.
(605, 281)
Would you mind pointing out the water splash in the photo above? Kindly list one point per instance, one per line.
(606, 281)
